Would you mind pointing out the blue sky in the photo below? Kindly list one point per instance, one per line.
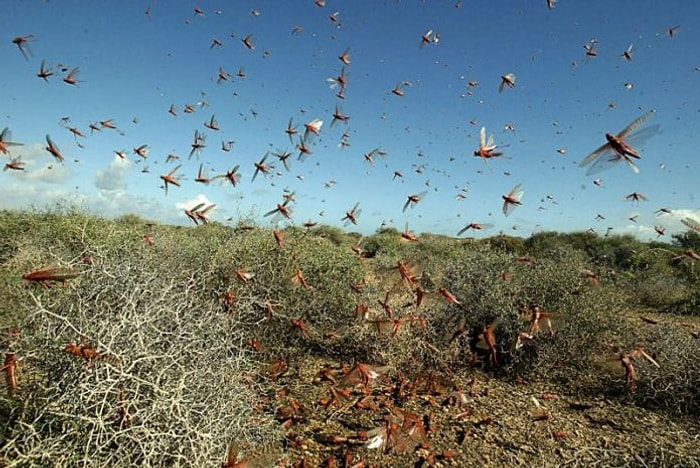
(134, 66)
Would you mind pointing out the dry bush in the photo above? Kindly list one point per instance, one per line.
(674, 385)
(407, 345)
(664, 278)
(177, 323)
(587, 332)
(271, 300)
(662, 291)
(671, 387)
(173, 384)
(404, 341)
(30, 241)
(495, 287)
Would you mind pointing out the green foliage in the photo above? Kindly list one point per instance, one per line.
(587, 326)
(271, 299)
(387, 242)
(390, 231)
(508, 244)
(541, 243)
(131, 220)
(615, 252)
(335, 235)
(687, 240)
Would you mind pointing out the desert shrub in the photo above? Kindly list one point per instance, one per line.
(494, 285)
(131, 220)
(539, 244)
(673, 386)
(494, 288)
(396, 332)
(56, 236)
(580, 240)
(662, 291)
(662, 281)
(271, 300)
(475, 279)
(406, 351)
(432, 253)
(190, 322)
(508, 244)
(268, 304)
(386, 242)
(335, 235)
(172, 385)
(691, 304)
(579, 355)
(11, 225)
(428, 255)
(614, 252)
(670, 387)
(687, 240)
(34, 240)
(687, 270)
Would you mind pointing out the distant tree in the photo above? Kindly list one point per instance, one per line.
(581, 239)
(687, 240)
(539, 244)
(131, 220)
(335, 235)
(617, 252)
(388, 230)
(513, 245)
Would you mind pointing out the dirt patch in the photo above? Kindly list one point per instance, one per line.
(474, 420)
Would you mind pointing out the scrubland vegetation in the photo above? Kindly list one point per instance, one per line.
(165, 345)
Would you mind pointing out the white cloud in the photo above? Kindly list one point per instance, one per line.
(189, 204)
(114, 177)
(640, 231)
(645, 230)
(32, 153)
(26, 191)
(49, 173)
(681, 213)
(118, 202)
(40, 166)
(20, 195)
